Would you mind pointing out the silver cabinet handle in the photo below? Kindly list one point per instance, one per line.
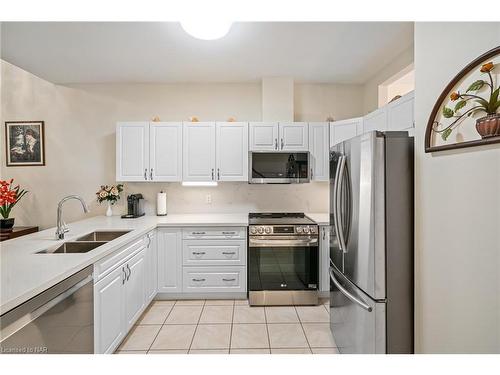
(151, 174)
(198, 253)
(129, 272)
(359, 302)
(282, 143)
(311, 173)
(228, 279)
(197, 233)
(213, 176)
(324, 234)
(146, 174)
(229, 233)
(198, 279)
(228, 252)
(275, 143)
(218, 174)
(124, 275)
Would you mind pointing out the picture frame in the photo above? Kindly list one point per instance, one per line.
(457, 86)
(25, 143)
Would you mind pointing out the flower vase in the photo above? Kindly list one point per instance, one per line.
(109, 210)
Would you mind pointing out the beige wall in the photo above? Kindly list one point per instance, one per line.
(457, 208)
(370, 88)
(80, 141)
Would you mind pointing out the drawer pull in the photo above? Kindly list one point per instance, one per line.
(198, 253)
(229, 233)
(198, 233)
(228, 252)
(198, 280)
(228, 279)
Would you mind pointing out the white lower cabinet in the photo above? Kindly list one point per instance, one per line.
(151, 266)
(119, 300)
(169, 260)
(324, 258)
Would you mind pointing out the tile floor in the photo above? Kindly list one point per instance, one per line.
(230, 327)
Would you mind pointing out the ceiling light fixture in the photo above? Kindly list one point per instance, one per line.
(206, 30)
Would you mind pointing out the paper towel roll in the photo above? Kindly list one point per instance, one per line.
(161, 204)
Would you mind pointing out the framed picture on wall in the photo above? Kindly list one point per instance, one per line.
(25, 143)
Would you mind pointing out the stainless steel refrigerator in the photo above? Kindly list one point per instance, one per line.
(371, 248)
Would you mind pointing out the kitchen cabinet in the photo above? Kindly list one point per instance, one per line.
(165, 151)
(400, 113)
(319, 149)
(264, 136)
(324, 258)
(283, 136)
(345, 129)
(119, 299)
(232, 151)
(151, 266)
(149, 151)
(169, 260)
(376, 120)
(199, 151)
(293, 136)
(132, 151)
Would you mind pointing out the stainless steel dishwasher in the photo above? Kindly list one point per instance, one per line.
(58, 320)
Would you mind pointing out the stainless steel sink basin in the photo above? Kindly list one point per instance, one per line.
(102, 235)
(73, 247)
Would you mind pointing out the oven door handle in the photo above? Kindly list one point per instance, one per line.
(253, 242)
(344, 291)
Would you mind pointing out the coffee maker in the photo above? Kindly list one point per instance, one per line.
(135, 206)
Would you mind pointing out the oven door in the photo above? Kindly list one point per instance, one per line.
(280, 263)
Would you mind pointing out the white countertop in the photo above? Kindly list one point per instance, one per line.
(24, 274)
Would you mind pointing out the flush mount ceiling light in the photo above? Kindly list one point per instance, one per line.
(206, 30)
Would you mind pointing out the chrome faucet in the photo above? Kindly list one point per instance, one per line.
(61, 225)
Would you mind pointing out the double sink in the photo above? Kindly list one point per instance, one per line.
(85, 243)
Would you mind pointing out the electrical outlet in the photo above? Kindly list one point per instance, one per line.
(209, 199)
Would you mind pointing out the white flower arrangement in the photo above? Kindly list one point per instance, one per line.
(109, 193)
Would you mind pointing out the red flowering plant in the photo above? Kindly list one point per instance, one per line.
(9, 196)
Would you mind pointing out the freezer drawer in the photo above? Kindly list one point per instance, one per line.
(358, 323)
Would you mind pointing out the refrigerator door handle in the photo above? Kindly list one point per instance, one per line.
(339, 181)
(349, 295)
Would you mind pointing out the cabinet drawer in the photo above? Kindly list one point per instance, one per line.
(214, 233)
(214, 252)
(214, 279)
(113, 260)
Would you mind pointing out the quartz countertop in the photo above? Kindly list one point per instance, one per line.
(24, 274)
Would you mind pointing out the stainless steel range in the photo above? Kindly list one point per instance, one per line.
(283, 253)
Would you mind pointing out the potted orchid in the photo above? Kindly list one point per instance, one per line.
(9, 196)
(109, 194)
(472, 102)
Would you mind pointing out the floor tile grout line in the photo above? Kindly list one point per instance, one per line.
(161, 326)
(231, 332)
(267, 330)
(197, 324)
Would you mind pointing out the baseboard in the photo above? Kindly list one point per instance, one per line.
(170, 296)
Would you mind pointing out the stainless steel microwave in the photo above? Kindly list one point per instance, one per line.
(279, 167)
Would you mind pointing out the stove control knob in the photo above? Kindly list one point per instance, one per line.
(306, 229)
(314, 230)
(298, 229)
(260, 230)
(253, 230)
(267, 230)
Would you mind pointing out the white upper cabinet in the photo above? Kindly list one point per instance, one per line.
(165, 156)
(400, 113)
(264, 136)
(345, 129)
(376, 120)
(199, 151)
(132, 151)
(232, 151)
(293, 136)
(319, 149)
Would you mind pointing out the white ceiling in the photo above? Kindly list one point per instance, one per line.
(79, 52)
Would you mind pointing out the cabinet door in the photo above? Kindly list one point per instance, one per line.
(376, 120)
(263, 136)
(135, 291)
(132, 151)
(324, 259)
(199, 151)
(151, 274)
(400, 114)
(319, 149)
(345, 129)
(232, 151)
(169, 260)
(165, 156)
(109, 317)
(293, 136)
